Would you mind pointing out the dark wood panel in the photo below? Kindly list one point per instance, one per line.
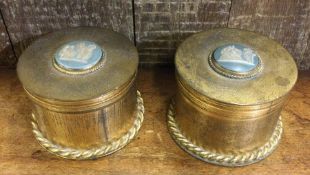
(286, 21)
(27, 19)
(7, 57)
(161, 25)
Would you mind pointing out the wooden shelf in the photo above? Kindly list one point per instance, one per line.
(153, 151)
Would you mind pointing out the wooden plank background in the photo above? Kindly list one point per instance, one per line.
(7, 57)
(27, 19)
(286, 21)
(156, 26)
(161, 25)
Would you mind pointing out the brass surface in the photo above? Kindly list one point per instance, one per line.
(276, 79)
(225, 115)
(39, 76)
(230, 159)
(92, 113)
(83, 105)
(225, 127)
(88, 128)
(96, 152)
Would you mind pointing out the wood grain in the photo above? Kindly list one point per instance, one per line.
(161, 25)
(153, 151)
(26, 20)
(7, 57)
(286, 21)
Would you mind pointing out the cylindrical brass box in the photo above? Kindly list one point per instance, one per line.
(231, 88)
(82, 85)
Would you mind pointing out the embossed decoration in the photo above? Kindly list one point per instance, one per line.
(236, 57)
(78, 55)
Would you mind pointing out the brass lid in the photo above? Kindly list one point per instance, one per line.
(77, 64)
(235, 66)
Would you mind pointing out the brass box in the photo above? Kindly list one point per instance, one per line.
(82, 85)
(232, 85)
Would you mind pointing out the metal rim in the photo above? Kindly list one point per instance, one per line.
(233, 74)
(83, 105)
(97, 66)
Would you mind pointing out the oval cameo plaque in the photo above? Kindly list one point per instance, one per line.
(78, 55)
(235, 61)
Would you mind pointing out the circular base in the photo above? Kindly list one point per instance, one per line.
(82, 154)
(230, 160)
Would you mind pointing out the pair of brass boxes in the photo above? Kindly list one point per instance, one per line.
(231, 88)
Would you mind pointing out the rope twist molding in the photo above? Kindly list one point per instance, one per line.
(231, 159)
(80, 154)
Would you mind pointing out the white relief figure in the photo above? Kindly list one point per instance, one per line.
(235, 55)
(248, 55)
(79, 52)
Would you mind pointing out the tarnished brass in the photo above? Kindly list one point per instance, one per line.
(82, 113)
(227, 120)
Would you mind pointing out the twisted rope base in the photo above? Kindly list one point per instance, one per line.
(230, 160)
(81, 154)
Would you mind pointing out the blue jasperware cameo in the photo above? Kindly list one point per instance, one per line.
(78, 55)
(236, 57)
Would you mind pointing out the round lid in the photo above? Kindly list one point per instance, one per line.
(77, 64)
(235, 66)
